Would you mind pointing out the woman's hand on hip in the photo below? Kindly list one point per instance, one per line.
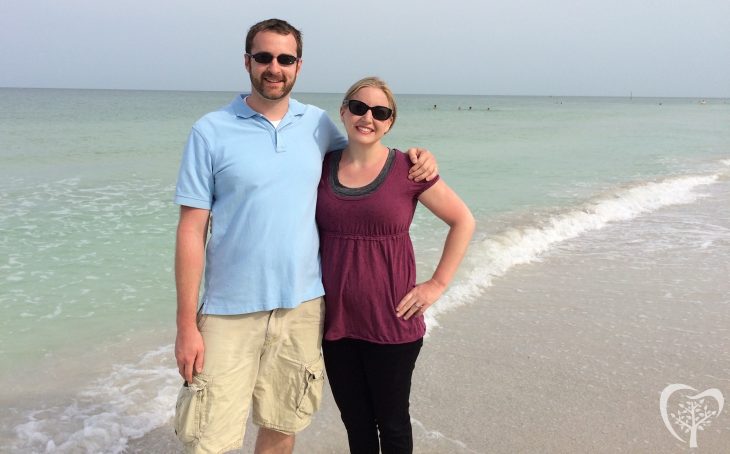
(418, 300)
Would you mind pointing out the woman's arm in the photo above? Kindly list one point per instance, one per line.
(444, 203)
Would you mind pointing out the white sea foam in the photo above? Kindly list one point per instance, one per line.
(495, 256)
(55, 313)
(131, 401)
(438, 441)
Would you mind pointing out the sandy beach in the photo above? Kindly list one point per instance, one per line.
(559, 357)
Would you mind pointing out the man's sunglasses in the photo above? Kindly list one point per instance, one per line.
(359, 108)
(266, 58)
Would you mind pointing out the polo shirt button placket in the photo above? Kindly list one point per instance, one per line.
(279, 140)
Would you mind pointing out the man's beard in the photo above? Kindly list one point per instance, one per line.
(260, 84)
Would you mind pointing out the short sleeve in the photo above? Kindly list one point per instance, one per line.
(195, 183)
(421, 186)
(418, 187)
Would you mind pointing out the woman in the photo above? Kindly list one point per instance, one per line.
(374, 323)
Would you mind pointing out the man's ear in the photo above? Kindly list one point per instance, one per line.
(299, 65)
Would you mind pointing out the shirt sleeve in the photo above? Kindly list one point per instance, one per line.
(422, 186)
(333, 138)
(416, 187)
(195, 183)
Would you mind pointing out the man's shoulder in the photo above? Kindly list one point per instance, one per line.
(299, 107)
(216, 117)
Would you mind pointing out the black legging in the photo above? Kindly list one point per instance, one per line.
(371, 384)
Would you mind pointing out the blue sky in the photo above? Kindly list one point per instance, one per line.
(516, 47)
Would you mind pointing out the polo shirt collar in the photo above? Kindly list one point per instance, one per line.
(243, 110)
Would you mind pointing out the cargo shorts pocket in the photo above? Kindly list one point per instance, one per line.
(191, 409)
(310, 388)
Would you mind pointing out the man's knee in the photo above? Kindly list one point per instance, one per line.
(270, 441)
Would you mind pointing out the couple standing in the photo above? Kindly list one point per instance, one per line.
(252, 175)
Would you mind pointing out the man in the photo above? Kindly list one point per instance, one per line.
(249, 174)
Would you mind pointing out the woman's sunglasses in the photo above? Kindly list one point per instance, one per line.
(359, 108)
(266, 58)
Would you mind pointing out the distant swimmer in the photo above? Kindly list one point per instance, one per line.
(469, 107)
(434, 107)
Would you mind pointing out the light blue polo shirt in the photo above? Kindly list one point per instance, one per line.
(260, 183)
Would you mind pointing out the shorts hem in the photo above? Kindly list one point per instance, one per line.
(193, 447)
(231, 447)
(282, 429)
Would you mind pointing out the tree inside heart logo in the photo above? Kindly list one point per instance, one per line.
(685, 409)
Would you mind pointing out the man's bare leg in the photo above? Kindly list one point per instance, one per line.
(272, 442)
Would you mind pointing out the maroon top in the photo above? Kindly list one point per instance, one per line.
(367, 255)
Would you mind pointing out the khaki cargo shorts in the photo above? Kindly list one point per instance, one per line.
(272, 358)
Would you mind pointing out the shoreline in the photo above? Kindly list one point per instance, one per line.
(89, 288)
(587, 337)
(563, 346)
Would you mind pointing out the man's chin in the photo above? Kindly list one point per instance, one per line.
(276, 95)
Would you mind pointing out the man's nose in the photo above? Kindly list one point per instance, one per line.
(274, 65)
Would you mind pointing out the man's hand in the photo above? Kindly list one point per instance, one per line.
(189, 352)
(424, 165)
(192, 232)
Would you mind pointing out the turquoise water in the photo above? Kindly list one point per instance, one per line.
(88, 223)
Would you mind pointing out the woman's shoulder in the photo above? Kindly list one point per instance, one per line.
(401, 157)
(403, 163)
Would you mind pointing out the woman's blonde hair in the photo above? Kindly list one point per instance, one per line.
(375, 82)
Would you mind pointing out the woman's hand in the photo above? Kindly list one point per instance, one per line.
(419, 299)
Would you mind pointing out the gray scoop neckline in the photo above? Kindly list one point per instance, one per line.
(371, 187)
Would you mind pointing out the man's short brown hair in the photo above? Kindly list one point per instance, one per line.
(279, 26)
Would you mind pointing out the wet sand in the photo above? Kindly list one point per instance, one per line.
(570, 354)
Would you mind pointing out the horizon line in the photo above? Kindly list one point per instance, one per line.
(629, 96)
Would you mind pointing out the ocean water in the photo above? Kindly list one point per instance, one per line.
(87, 226)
